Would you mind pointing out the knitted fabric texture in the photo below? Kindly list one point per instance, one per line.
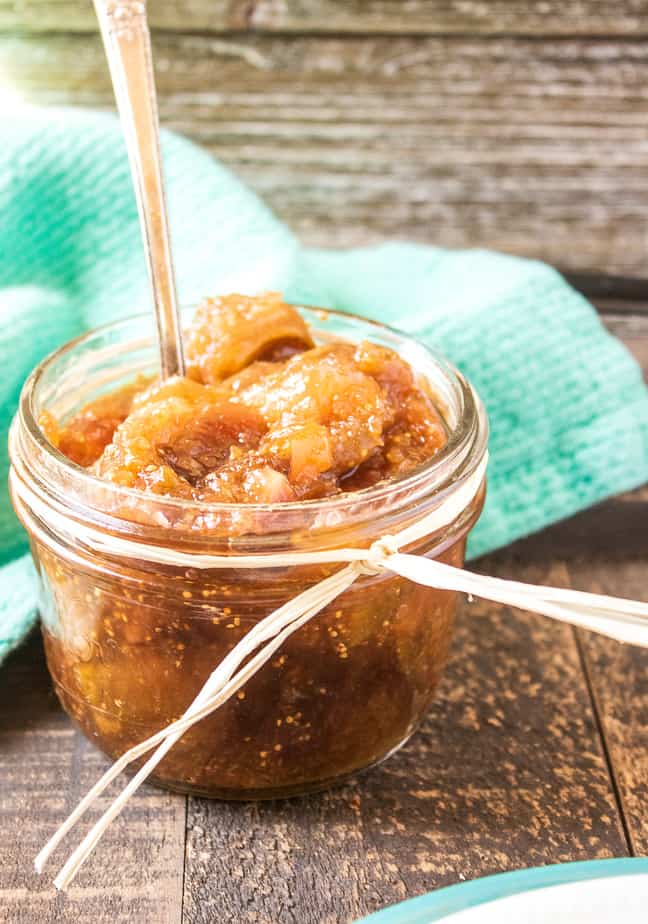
(567, 405)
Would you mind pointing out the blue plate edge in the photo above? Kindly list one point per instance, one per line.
(424, 909)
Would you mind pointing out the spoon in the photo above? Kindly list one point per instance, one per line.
(126, 37)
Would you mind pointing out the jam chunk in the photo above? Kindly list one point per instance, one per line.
(229, 333)
(169, 445)
(324, 414)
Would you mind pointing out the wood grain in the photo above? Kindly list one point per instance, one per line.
(45, 768)
(619, 680)
(506, 772)
(605, 550)
(497, 17)
(618, 674)
(536, 148)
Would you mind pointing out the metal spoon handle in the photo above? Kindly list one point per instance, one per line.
(127, 41)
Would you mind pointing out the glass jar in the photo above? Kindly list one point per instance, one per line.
(130, 641)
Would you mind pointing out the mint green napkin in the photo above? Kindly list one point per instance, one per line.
(568, 408)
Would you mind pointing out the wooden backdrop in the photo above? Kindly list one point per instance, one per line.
(521, 126)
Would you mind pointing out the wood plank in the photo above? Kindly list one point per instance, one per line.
(605, 550)
(618, 675)
(506, 772)
(45, 767)
(535, 148)
(498, 17)
(625, 294)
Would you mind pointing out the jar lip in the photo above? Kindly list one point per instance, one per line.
(467, 437)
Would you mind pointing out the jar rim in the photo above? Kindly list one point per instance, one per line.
(463, 451)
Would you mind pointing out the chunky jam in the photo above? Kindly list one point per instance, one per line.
(263, 416)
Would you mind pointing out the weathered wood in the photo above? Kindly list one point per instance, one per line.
(537, 17)
(618, 674)
(605, 550)
(536, 148)
(624, 294)
(45, 768)
(506, 772)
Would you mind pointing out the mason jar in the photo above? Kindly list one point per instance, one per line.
(132, 637)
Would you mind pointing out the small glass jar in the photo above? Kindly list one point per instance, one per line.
(130, 642)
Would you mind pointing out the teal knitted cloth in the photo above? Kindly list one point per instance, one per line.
(567, 405)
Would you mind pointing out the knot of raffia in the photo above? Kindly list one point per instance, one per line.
(378, 553)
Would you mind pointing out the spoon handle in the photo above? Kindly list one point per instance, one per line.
(127, 41)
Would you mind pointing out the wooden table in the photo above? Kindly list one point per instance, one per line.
(535, 752)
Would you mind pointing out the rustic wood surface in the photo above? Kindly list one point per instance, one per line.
(497, 17)
(519, 126)
(534, 752)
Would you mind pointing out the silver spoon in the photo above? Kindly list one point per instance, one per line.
(127, 41)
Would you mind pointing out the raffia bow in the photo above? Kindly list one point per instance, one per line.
(623, 620)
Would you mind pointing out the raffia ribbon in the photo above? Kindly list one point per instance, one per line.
(623, 620)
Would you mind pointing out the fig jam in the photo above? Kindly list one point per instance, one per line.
(270, 425)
